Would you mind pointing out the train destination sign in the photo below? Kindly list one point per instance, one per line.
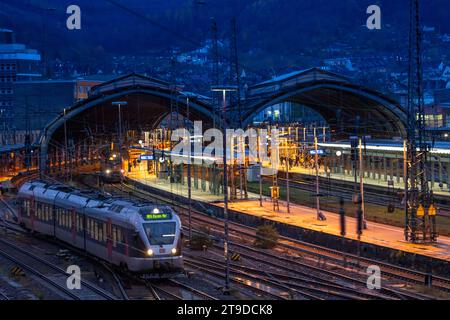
(158, 216)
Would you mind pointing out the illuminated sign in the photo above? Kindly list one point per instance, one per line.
(158, 216)
(144, 157)
(319, 152)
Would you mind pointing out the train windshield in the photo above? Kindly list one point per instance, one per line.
(160, 233)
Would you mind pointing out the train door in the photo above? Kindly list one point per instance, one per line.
(125, 236)
(84, 230)
(54, 219)
(109, 238)
(32, 212)
(73, 226)
(20, 209)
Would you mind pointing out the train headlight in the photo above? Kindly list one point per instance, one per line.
(150, 252)
(174, 250)
(108, 171)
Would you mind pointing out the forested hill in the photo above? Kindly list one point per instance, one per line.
(271, 26)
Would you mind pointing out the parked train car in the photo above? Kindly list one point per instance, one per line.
(141, 237)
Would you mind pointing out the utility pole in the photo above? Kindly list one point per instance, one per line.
(215, 66)
(189, 167)
(320, 215)
(288, 207)
(224, 90)
(258, 139)
(417, 194)
(120, 104)
(359, 225)
(66, 158)
(361, 184)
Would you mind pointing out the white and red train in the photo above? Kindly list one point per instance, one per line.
(141, 237)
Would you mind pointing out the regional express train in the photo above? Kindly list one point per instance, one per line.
(141, 237)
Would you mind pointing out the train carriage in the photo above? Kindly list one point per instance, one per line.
(141, 237)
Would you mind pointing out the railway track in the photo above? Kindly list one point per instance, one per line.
(334, 256)
(379, 198)
(391, 293)
(165, 292)
(307, 273)
(157, 291)
(50, 273)
(3, 296)
(404, 274)
(301, 289)
(259, 286)
(391, 271)
(401, 273)
(193, 290)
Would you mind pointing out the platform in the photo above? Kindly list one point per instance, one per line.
(381, 182)
(179, 188)
(377, 234)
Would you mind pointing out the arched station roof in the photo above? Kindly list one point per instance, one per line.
(344, 105)
(149, 101)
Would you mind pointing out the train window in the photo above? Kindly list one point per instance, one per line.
(160, 233)
(100, 234)
(25, 208)
(105, 233)
(90, 227)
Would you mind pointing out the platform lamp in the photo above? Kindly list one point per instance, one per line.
(120, 104)
(224, 90)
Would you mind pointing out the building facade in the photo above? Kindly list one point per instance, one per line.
(17, 63)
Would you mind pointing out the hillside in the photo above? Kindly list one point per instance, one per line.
(274, 29)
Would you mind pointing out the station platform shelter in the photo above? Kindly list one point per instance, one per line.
(383, 164)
